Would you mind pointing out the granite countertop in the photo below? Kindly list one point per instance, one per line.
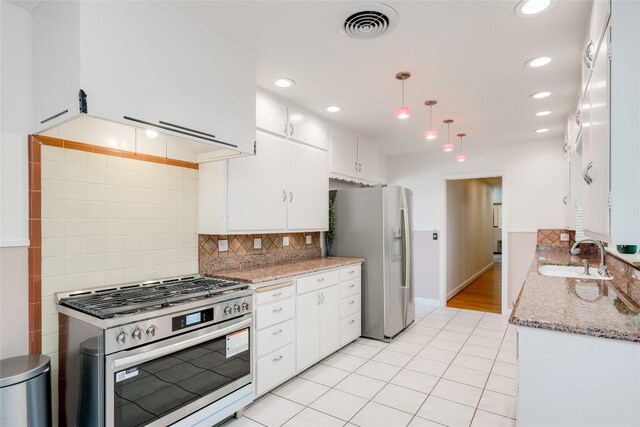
(599, 308)
(283, 270)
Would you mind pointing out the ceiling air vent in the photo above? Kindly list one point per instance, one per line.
(368, 20)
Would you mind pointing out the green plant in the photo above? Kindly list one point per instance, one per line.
(331, 232)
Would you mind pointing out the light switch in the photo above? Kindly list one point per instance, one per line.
(257, 243)
(308, 239)
(285, 241)
(223, 245)
(564, 237)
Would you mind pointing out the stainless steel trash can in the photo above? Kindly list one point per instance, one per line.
(25, 391)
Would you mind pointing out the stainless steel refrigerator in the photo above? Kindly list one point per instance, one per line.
(376, 224)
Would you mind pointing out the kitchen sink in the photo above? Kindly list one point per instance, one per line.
(574, 272)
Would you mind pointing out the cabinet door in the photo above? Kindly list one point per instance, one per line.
(329, 320)
(142, 61)
(271, 116)
(307, 330)
(308, 129)
(256, 187)
(368, 160)
(344, 153)
(597, 210)
(308, 182)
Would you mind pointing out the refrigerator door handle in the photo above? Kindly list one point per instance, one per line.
(407, 254)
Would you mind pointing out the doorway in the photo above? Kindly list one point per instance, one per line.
(473, 241)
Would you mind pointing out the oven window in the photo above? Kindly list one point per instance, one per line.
(153, 389)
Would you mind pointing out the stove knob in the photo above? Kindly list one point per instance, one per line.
(151, 331)
(122, 337)
(236, 308)
(137, 334)
(245, 306)
(227, 310)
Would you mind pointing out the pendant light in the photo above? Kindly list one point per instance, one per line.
(403, 112)
(461, 157)
(448, 146)
(430, 133)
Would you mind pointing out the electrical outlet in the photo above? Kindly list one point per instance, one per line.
(257, 243)
(223, 245)
(285, 241)
(308, 239)
(564, 237)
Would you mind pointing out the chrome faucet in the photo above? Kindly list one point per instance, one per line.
(575, 250)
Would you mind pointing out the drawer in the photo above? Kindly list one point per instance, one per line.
(271, 295)
(349, 306)
(275, 313)
(350, 272)
(274, 368)
(318, 281)
(349, 329)
(274, 337)
(349, 288)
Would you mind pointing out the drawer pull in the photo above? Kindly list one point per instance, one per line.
(352, 285)
(351, 321)
(321, 279)
(277, 359)
(351, 271)
(277, 310)
(351, 302)
(277, 294)
(279, 331)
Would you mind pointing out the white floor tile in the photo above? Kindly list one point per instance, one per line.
(301, 391)
(473, 362)
(484, 341)
(415, 381)
(422, 422)
(360, 385)
(447, 311)
(502, 385)
(445, 344)
(498, 403)
(456, 327)
(438, 354)
(457, 392)
(273, 411)
(372, 343)
(405, 347)
(360, 350)
(446, 412)
(488, 333)
(503, 369)
(377, 370)
(424, 330)
(339, 404)
(400, 398)
(345, 361)
(413, 338)
(392, 358)
(312, 418)
(432, 323)
(377, 415)
(487, 419)
(453, 336)
(466, 321)
(427, 366)
(507, 356)
(466, 376)
(440, 317)
(479, 351)
(241, 422)
(325, 375)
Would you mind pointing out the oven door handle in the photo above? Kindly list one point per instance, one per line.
(172, 348)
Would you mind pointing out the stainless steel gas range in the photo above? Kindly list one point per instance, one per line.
(167, 352)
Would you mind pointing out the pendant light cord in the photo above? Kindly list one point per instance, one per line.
(403, 93)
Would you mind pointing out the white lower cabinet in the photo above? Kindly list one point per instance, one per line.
(303, 320)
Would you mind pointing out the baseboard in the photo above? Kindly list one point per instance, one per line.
(467, 282)
(429, 301)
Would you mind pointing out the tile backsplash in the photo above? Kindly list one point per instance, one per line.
(241, 252)
(551, 237)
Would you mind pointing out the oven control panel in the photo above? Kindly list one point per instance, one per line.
(154, 329)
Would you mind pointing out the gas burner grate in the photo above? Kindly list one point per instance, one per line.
(132, 299)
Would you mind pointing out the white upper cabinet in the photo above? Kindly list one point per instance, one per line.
(344, 153)
(600, 12)
(368, 160)
(271, 115)
(307, 129)
(141, 65)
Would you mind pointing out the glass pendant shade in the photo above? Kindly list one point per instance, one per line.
(461, 157)
(430, 134)
(403, 112)
(448, 147)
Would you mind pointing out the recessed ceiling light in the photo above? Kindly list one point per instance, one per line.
(334, 109)
(540, 95)
(543, 130)
(543, 113)
(151, 133)
(539, 61)
(284, 82)
(532, 7)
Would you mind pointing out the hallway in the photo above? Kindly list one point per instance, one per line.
(483, 294)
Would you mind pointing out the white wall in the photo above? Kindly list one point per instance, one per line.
(469, 232)
(534, 185)
(14, 128)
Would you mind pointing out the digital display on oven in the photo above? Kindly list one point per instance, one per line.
(191, 319)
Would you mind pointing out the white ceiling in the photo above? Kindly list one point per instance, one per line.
(468, 55)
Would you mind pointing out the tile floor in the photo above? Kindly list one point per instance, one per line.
(452, 367)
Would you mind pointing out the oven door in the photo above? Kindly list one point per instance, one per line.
(163, 382)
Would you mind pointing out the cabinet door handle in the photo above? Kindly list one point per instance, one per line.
(284, 131)
(352, 321)
(284, 196)
(277, 294)
(351, 302)
(587, 178)
(277, 359)
(355, 166)
(290, 196)
(322, 294)
(564, 200)
(359, 167)
(291, 129)
(588, 55)
(321, 279)
(278, 332)
(277, 310)
(351, 285)
(319, 299)
(351, 271)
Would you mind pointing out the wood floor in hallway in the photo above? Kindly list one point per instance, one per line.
(483, 294)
